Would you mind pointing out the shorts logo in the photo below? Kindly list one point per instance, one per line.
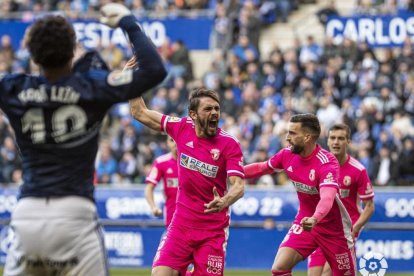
(215, 154)
(343, 261)
(215, 264)
(373, 264)
(312, 175)
(347, 180)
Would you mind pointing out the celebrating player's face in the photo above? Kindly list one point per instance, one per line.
(338, 142)
(207, 117)
(295, 137)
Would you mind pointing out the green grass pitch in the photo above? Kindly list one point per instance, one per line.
(147, 272)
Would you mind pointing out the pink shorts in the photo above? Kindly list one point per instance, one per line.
(316, 258)
(182, 246)
(338, 251)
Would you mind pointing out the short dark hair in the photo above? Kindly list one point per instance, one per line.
(309, 122)
(51, 41)
(341, 127)
(198, 93)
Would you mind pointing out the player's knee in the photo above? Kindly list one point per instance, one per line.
(278, 272)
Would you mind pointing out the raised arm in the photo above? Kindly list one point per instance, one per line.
(147, 117)
(151, 69)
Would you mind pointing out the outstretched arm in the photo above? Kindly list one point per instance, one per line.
(257, 169)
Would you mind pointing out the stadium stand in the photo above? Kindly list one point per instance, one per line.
(261, 85)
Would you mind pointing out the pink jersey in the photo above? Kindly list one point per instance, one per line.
(354, 185)
(308, 175)
(165, 168)
(203, 163)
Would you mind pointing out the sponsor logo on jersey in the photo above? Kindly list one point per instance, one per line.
(190, 144)
(170, 171)
(194, 164)
(117, 78)
(290, 169)
(347, 180)
(312, 175)
(172, 182)
(344, 192)
(172, 119)
(215, 154)
(300, 187)
(153, 173)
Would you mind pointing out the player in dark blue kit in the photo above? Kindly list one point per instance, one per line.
(56, 118)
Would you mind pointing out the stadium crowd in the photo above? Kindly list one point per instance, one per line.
(346, 82)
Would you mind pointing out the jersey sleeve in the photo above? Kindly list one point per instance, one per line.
(234, 165)
(122, 85)
(155, 174)
(365, 191)
(172, 125)
(276, 161)
(328, 175)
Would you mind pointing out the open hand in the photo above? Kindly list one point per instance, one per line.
(216, 205)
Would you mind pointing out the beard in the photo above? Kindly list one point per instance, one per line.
(297, 149)
(209, 132)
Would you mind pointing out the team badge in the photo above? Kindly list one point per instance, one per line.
(311, 174)
(347, 180)
(215, 154)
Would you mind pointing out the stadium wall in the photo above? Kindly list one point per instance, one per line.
(260, 221)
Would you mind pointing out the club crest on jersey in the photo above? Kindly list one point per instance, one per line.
(215, 154)
(347, 180)
(312, 175)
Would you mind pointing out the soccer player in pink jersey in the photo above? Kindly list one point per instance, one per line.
(208, 159)
(165, 168)
(354, 186)
(322, 220)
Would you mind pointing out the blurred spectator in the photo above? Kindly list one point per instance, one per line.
(384, 168)
(324, 13)
(10, 159)
(222, 31)
(406, 162)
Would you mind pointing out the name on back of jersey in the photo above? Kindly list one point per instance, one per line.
(60, 94)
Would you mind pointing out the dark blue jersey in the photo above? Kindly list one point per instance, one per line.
(57, 124)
